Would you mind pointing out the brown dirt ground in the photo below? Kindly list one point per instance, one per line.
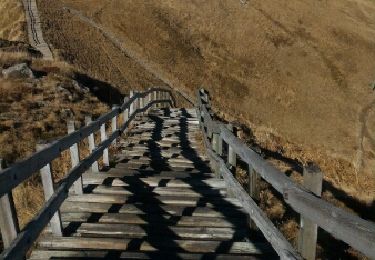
(287, 69)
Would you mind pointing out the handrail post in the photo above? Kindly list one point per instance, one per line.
(125, 113)
(114, 123)
(254, 191)
(312, 180)
(216, 140)
(131, 109)
(91, 140)
(47, 181)
(8, 217)
(232, 157)
(74, 157)
(103, 137)
(155, 98)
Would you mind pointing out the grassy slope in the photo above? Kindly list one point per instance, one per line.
(296, 72)
(12, 21)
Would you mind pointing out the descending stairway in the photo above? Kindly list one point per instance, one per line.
(160, 201)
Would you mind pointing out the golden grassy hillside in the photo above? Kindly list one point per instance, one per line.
(12, 21)
(296, 72)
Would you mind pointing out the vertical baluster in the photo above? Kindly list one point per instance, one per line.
(103, 137)
(47, 181)
(91, 140)
(114, 123)
(8, 218)
(131, 109)
(312, 180)
(125, 114)
(74, 157)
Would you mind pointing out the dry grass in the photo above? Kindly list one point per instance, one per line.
(32, 110)
(12, 21)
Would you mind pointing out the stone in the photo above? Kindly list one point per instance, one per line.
(20, 70)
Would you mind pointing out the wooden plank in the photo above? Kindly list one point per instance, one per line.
(74, 157)
(103, 137)
(312, 180)
(157, 219)
(115, 172)
(175, 200)
(114, 123)
(147, 208)
(120, 230)
(91, 141)
(150, 245)
(152, 181)
(162, 191)
(47, 181)
(81, 254)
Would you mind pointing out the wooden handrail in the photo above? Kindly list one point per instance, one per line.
(355, 231)
(24, 240)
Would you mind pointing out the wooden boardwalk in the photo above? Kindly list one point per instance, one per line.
(160, 200)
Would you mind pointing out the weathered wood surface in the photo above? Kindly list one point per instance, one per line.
(357, 232)
(313, 181)
(170, 209)
(45, 254)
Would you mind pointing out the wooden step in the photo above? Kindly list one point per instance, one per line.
(114, 181)
(159, 191)
(166, 219)
(225, 211)
(175, 200)
(119, 173)
(116, 230)
(84, 254)
(148, 245)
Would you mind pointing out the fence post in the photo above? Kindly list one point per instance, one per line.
(125, 114)
(103, 137)
(8, 217)
(254, 191)
(312, 180)
(216, 139)
(114, 123)
(91, 140)
(155, 98)
(74, 157)
(131, 109)
(47, 181)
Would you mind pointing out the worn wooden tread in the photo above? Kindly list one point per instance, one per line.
(108, 179)
(163, 232)
(159, 191)
(176, 200)
(84, 254)
(144, 208)
(166, 219)
(149, 245)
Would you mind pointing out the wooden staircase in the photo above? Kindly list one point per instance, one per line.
(159, 200)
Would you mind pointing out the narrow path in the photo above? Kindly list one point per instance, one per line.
(34, 29)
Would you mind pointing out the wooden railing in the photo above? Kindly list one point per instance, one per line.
(17, 242)
(357, 232)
